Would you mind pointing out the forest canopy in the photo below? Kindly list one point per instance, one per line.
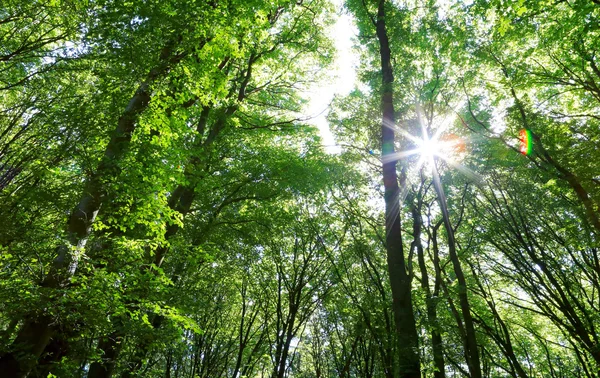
(169, 209)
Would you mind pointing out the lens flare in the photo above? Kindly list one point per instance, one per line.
(526, 142)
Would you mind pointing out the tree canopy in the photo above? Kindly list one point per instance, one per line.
(168, 209)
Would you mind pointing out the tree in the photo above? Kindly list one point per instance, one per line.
(165, 211)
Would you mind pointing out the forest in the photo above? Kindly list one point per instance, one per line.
(168, 209)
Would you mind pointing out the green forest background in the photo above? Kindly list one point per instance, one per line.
(167, 210)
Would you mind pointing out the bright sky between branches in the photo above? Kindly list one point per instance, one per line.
(344, 78)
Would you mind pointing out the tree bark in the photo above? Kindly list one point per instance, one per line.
(400, 280)
(181, 201)
(471, 351)
(430, 300)
(38, 329)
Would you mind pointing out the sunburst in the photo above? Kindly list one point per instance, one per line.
(441, 145)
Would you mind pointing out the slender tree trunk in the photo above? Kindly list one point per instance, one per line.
(168, 366)
(500, 333)
(590, 205)
(400, 280)
(430, 300)
(471, 351)
(244, 330)
(111, 347)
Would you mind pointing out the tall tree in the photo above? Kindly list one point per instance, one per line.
(401, 281)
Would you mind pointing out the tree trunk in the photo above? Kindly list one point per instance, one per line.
(400, 280)
(471, 351)
(430, 300)
(37, 330)
(181, 201)
(111, 347)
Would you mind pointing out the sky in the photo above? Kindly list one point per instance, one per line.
(344, 71)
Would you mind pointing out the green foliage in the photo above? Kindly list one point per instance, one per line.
(227, 243)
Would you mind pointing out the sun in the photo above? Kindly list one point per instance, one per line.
(429, 148)
(446, 146)
(441, 145)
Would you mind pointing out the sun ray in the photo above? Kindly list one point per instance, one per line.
(440, 145)
(442, 127)
(399, 155)
(467, 172)
(408, 135)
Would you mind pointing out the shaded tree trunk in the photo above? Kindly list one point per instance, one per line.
(400, 280)
(38, 329)
(471, 351)
(181, 201)
(430, 299)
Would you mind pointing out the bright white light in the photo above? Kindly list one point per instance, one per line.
(429, 147)
(342, 77)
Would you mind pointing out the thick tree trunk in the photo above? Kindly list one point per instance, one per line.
(37, 330)
(181, 201)
(110, 346)
(400, 280)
